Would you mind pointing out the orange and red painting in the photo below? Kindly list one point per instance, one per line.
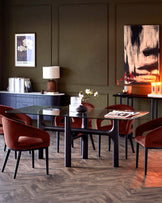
(142, 53)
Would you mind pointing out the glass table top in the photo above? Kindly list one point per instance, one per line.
(97, 113)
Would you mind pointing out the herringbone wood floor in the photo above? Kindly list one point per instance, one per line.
(87, 181)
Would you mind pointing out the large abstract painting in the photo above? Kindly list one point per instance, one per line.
(142, 53)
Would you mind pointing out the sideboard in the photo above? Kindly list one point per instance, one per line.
(19, 100)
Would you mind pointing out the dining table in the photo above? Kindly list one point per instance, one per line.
(67, 114)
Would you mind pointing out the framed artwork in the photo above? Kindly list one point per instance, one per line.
(25, 50)
(142, 53)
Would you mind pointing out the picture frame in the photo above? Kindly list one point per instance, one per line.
(142, 53)
(25, 50)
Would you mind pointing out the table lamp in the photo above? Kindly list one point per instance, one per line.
(51, 73)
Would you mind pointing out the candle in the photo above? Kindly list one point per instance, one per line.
(153, 88)
(156, 87)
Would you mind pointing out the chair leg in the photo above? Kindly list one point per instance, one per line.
(109, 143)
(5, 162)
(126, 146)
(99, 145)
(4, 147)
(15, 154)
(32, 158)
(17, 164)
(146, 156)
(137, 154)
(72, 143)
(131, 142)
(93, 145)
(47, 165)
(52, 120)
(57, 140)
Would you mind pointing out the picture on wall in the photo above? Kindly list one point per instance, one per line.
(142, 53)
(25, 50)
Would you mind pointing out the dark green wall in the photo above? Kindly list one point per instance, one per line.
(84, 37)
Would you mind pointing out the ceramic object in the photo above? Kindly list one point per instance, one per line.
(127, 89)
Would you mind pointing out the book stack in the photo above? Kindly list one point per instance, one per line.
(51, 111)
(19, 85)
(75, 102)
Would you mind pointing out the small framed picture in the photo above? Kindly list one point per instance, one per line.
(25, 50)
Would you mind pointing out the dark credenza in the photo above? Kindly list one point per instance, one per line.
(19, 100)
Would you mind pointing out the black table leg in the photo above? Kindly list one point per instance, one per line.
(152, 108)
(156, 108)
(85, 139)
(131, 102)
(120, 100)
(115, 136)
(67, 141)
(39, 121)
(39, 125)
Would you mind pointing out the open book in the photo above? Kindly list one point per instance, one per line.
(121, 114)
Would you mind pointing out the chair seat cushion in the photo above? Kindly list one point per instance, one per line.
(151, 139)
(125, 131)
(140, 140)
(24, 141)
(122, 130)
(1, 129)
(106, 127)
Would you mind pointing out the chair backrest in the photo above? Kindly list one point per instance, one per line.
(125, 126)
(77, 122)
(19, 136)
(148, 126)
(12, 131)
(19, 117)
(3, 110)
(89, 106)
(90, 109)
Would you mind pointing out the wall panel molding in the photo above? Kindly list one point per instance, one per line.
(76, 38)
(29, 19)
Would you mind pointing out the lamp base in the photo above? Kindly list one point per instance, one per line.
(51, 86)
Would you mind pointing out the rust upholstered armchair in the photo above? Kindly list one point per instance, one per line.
(75, 123)
(20, 137)
(125, 127)
(148, 135)
(19, 117)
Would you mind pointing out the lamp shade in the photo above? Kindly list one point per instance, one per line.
(51, 72)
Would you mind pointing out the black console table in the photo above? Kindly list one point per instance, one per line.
(20, 100)
(129, 101)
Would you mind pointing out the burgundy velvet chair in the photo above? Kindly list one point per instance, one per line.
(75, 123)
(20, 137)
(149, 136)
(125, 127)
(19, 117)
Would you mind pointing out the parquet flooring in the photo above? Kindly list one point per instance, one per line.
(87, 181)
